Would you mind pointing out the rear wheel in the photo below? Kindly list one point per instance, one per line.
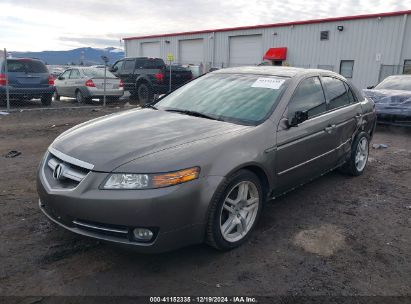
(46, 99)
(145, 93)
(357, 162)
(80, 97)
(234, 211)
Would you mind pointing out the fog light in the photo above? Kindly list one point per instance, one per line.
(143, 234)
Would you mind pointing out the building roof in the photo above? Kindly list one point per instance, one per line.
(336, 19)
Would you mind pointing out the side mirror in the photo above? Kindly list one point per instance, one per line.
(158, 97)
(113, 69)
(370, 87)
(60, 78)
(297, 118)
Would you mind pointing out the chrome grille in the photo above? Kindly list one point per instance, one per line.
(70, 174)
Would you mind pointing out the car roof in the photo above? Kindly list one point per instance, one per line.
(399, 76)
(274, 71)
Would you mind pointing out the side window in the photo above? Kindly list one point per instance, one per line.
(336, 92)
(75, 74)
(128, 66)
(66, 74)
(140, 63)
(118, 65)
(308, 97)
(350, 93)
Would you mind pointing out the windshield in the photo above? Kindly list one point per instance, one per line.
(97, 73)
(395, 83)
(246, 99)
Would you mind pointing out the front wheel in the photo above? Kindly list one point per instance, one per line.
(234, 211)
(357, 162)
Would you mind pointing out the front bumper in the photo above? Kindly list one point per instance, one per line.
(176, 214)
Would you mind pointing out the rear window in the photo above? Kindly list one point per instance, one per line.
(26, 66)
(97, 73)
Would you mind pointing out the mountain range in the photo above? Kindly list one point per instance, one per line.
(86, 56)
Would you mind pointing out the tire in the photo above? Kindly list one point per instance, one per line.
(357, 161)
(56, 96)
(145, 93)
(46, 99)
(81, 99)
(228, 211)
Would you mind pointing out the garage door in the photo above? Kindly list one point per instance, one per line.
(246, 50)
(150, 49)
(191, 51)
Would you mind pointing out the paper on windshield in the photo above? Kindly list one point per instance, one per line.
(268, 83)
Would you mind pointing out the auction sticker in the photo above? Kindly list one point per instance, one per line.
(268, 83)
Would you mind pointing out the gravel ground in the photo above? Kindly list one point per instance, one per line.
(335, 236)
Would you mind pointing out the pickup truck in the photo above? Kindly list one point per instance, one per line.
(145, 77)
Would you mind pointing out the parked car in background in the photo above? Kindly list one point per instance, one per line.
(199, 164)
(98, 66)
(27, 79)
(86, 83)
(392, 98)
(144, 77)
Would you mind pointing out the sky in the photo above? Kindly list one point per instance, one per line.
(36, 25)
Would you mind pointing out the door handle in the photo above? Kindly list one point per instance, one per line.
(330, 129)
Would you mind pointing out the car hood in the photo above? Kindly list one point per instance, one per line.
(390, 101)
(116, 139)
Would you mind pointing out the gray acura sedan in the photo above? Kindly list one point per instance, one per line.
(198, 164)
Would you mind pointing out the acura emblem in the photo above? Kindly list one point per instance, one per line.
(58, 171)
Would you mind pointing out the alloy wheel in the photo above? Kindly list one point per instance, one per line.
(239, 211)
(361, 154)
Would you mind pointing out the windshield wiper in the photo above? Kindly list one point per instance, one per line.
(193, 113)
(151, 106)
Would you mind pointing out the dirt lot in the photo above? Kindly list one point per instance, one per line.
(335, 236)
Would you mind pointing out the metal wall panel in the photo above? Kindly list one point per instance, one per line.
(369, 42)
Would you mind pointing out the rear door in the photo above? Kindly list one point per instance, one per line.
(127, 74)
(306, 150)
(344, 111)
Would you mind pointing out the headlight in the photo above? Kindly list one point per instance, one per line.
(150, 181)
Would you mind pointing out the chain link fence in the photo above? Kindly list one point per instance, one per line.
(28, 83)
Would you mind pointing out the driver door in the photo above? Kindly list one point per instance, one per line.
(61, 84)
(306, 150)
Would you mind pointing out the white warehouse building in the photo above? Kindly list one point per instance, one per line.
(364, 48)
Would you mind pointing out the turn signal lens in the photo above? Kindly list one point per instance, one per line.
(118, 181)
(174, 178)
